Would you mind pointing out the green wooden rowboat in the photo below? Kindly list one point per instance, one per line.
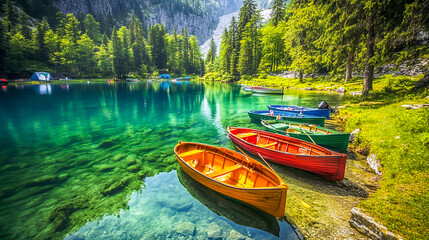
(321, 136)
(257, 116)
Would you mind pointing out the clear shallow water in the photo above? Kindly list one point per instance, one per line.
(76, 156)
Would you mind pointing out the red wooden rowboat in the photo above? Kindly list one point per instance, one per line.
(291, 152)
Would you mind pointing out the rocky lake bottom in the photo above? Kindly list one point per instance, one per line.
(96, 161)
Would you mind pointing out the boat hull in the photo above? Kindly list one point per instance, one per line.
(264, 115)
(236, 211)
(335, 141)
(331, 167)
(269, 200)
(267, 90)
(304, 110)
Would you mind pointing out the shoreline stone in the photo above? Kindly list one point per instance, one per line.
(367, 226)
(373, 163)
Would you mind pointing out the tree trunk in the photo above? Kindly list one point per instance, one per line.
(301, 75)
(369, 66)
(349, 67)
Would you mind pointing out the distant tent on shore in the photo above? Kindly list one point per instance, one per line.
(41, 76)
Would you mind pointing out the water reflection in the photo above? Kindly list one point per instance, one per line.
(44, 89)
(229, 208)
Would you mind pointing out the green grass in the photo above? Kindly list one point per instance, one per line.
(400, 140)
(388, 84)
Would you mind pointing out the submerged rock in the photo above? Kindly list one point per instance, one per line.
(133, 168)
(118, 157)
(213, 231)
(47, 180)
(60, 215)
(8, 192)
(106, 144)
(185, 228)
(144, 173)
(115, 187)
(234, 235)
(104, 167)
(131, 161)
(11, 167)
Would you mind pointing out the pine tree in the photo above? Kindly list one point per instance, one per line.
(39, 40)
(235, 45)
(157, 42)
(60, 24)
(185, 51)
(277, 12)
(71, 28)
(24, 25)
(105, 40)
(273, 47)
(117, 55)
(225, 52)
(19, 52)
(92, 28)
(104, 61)
(247, 11)
(304, 27)
(86, 60)
(126, 58)
(3, 47)
(342, 35)
(250, 48)
(52, 44)
(211, 56)
(10, 19)
(195, 54)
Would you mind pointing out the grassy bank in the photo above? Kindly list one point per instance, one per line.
(385, 82)
(400, 140)
(398, 137)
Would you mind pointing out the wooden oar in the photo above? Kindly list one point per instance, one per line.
(296, 195)
(307, 135)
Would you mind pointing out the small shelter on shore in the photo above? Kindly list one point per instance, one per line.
(41, 76)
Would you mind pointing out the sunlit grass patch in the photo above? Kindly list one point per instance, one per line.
(400, 140)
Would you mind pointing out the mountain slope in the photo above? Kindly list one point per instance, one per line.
(199, 16)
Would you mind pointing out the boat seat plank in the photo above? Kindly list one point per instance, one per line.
(224, 171)
(267, 145)
(185, 154)
(243, 135)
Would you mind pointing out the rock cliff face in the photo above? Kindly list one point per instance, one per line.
(200, 19)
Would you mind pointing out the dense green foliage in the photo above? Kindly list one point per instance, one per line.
(79, 49)
(339, 37)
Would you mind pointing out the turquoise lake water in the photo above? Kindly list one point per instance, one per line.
(96, 160)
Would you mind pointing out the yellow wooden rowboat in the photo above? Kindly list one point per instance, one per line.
(234, 175)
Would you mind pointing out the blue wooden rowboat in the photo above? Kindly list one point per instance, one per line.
(301, 110)
(273, 115)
